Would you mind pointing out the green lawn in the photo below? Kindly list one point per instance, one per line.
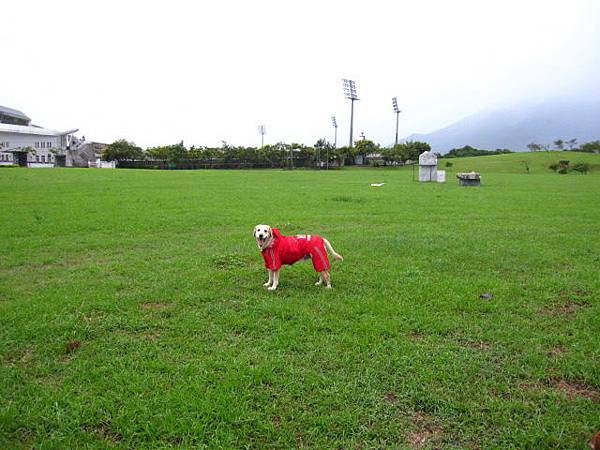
(518, 162)
(132, 311)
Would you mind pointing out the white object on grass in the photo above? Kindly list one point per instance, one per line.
(377, 184)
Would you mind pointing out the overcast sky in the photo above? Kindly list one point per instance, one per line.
(157, 72)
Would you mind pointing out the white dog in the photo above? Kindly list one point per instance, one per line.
(278, 249)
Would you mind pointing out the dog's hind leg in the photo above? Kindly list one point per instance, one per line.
(330, 249)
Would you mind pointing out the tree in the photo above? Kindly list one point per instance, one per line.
(534, 147)
(121, 150)
(559, 144)
(324, 151)
(393, 154)
(307, 154)
(590, 147)
(414, 148)
(572, 143)
(172, 153)
(365, 147)
(341, 153)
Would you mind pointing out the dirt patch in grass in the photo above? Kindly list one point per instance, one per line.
(557, 351)
(390, 397)
(570, 389)
(24, 435)
(19, 357)
(426, 430)
(574, 389)
(152, 306)
(71, 346)
(172, 439)
(151, 335)
(92, 316)
(476, 344)
(568, 302)
(566, 309)
(277, 422)
(529, 386)
(299, 440)
(104, 430)
(416, 335)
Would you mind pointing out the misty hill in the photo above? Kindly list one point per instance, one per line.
(515, 127)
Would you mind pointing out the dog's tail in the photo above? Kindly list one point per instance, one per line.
(332, 251)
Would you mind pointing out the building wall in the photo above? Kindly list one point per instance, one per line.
(41, 144)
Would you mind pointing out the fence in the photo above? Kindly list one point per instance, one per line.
(199, 164)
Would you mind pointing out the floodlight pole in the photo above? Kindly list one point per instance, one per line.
(334, 122)
(397, 111)
(351, 120)
(335, 127)
(350, 93)
(262, 131)
(397, 117)
(335, 138)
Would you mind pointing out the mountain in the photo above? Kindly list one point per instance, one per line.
(517, 126)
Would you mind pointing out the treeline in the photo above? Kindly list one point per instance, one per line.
(273, 155)
(467, 150)
(323, 153)
(559, 144)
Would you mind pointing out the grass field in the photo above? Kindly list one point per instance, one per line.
(517, 162)
(132, 312)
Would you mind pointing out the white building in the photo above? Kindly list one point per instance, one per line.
(26, 144)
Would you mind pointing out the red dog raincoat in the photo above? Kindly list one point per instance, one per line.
(289, 249)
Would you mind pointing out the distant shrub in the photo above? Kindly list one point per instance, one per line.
(563, 170)
(467, 150)
(449, 164)
(581, 167)
(8, 166)
(590, 147)
(553, 166)
(564, 163)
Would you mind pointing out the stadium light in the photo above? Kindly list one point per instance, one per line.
(334, 122)
(351, 94)
(262, 131)
(397, 111)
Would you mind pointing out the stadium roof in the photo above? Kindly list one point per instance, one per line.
(21, 129)
(13, 113)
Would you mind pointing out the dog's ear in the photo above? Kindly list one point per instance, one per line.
(254, 231)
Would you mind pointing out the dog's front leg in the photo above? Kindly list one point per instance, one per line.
(326, 278)
(275, 280)
(268, 283)
(320, 280)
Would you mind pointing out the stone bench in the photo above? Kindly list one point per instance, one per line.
(469, 178)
